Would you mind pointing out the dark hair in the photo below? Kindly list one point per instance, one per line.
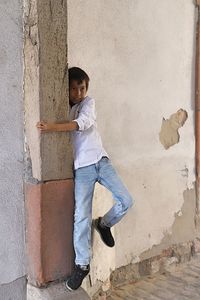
(78, 75)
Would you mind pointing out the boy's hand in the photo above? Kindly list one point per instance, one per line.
(45, 127)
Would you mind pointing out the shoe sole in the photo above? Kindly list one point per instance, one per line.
(95, 226)
(68, 287)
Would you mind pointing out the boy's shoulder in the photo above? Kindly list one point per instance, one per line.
(87, 101)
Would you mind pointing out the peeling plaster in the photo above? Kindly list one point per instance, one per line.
(169, 134)
(183, 228)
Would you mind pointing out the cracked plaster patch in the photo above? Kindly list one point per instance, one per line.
(183, 227)
(169, 134)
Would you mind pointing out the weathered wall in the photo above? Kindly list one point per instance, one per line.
(140, 58)
(12, 260)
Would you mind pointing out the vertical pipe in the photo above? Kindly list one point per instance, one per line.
(197, 111)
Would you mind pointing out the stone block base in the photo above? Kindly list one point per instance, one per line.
(49, 214)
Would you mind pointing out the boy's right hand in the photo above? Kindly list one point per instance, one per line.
(45, 127)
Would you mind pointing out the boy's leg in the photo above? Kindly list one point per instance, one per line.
(109, 178)
(85, 179)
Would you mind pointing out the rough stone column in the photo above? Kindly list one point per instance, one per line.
(46, 87)
(49, 172)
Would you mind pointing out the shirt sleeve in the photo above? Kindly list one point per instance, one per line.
(87, 116)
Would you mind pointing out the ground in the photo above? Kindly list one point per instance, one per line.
(181, 283)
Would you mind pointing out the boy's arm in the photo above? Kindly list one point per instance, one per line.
(87, 115)
(49, 127)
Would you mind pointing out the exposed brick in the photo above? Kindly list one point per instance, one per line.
(145, 267)
(196, 245)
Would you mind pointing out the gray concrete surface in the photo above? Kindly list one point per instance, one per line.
(55, 292)
(15, 290)
(181, 283)
(12, 254)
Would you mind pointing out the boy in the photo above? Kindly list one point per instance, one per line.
(91, 164)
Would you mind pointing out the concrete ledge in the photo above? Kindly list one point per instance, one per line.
(14, 290)
(55, 292)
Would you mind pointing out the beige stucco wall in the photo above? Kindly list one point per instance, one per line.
(140, 57)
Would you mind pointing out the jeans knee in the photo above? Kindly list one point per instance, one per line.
(129, 203)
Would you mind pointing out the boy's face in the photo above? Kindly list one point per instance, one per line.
(77, 91)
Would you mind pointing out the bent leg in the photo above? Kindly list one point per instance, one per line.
(85, 179)
(109, 178)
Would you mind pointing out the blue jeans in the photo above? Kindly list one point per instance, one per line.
(85, 179)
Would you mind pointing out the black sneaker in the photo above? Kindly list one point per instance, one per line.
(75, 280)
(105, 233)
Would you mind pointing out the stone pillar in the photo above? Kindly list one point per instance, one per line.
(49, 164)
(46, 87)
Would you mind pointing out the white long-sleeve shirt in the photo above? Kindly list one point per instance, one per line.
(87, 144)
